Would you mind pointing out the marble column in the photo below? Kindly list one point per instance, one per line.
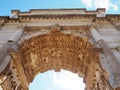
(11, 44)
(16, 36)
(111, 63)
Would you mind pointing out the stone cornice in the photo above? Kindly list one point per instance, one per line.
(27, 18)
(38, 17)
(4, 18)
(113, 17)
(47, 11)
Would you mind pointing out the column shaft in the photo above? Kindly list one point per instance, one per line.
(111, 59)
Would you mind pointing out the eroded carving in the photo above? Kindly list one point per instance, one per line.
(57, 50)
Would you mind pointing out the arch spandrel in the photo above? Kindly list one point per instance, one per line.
(56, 50)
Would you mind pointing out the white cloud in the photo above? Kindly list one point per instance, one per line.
(52, 80)
(104, 4)
(88, 3)
(100, 4)
(68, 81)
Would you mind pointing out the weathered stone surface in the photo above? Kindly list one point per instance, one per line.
(58, 39)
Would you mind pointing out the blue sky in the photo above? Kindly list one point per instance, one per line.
(63, 80)
(52, 80)
(112, 6)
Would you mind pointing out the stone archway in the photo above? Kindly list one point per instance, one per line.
(22, 55)
(56, 50)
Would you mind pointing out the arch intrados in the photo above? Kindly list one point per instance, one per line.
(74, 54)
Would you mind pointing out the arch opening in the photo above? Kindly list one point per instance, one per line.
(51, 80)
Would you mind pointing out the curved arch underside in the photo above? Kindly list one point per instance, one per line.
(56, 50)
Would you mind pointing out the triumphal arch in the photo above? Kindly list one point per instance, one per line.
(81, 41)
